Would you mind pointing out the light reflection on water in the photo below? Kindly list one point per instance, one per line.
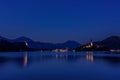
(25, 59)
(90, 57)
(60, 66)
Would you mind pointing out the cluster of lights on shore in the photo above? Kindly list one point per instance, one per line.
(90, 45)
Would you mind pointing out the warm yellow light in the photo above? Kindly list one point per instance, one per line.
(91, 44)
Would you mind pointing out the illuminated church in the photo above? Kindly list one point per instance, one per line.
(89, 45)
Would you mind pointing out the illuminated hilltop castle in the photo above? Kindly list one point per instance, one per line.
(89, 45)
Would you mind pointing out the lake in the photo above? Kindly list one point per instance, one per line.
(59, 66)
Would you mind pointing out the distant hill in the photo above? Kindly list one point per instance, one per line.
(112, 42)
(68, 44)
(43, 45)
(22, 39)
(3, 38)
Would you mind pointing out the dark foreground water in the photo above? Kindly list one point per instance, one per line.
(59, 66)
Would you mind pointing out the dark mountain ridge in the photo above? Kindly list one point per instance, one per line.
(43, 45)
(112, 42)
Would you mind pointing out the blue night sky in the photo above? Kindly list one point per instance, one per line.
(60, 20)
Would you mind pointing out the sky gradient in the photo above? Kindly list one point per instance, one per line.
(60, 20)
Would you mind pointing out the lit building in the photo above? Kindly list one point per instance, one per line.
(89, 45)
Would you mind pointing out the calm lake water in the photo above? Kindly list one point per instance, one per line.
(59, 66)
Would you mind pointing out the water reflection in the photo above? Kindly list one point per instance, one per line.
(29, 58)
(25, 59)
(89, 56)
